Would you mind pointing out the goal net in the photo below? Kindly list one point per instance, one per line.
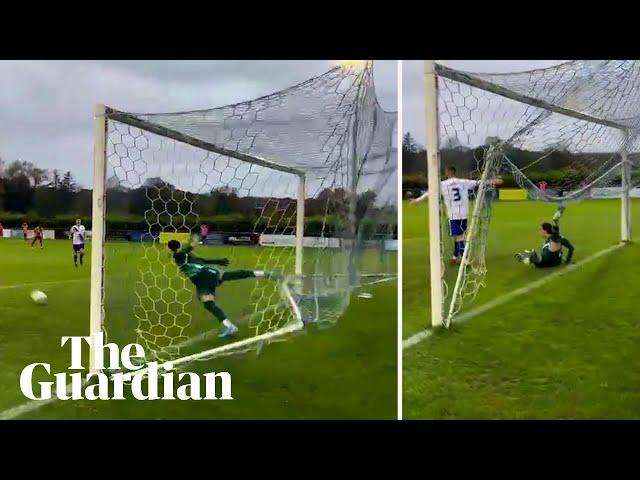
(560, 135)
(298, 183)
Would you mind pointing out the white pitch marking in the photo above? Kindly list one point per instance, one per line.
(423, 335)
(22, 285)
(32, 405)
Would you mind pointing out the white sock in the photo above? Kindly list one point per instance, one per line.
(227, 323)
(258, 273)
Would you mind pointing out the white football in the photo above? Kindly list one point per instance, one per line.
(39, 297)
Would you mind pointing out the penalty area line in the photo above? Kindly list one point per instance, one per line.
(423, 335)
(54, 282)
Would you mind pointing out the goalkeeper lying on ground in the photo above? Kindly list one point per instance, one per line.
(207, 277)
(551, 255)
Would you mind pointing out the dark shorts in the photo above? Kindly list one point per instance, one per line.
(548, 264)
(457, 227)
(545, 263)
(77, 248)
(206, 281)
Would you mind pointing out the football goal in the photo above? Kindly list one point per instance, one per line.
(299, 183)
(560, 135)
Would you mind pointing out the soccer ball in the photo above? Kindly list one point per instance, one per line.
(39, 297)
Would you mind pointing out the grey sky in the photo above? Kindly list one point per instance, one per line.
(46, 107)
(413, 85)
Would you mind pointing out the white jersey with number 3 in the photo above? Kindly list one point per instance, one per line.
(455, 193)
(78, 234)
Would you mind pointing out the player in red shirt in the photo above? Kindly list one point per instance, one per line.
(37, 232)
(1, 230)
(204, 231)
(25, 228)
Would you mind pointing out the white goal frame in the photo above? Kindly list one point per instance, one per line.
(96, 314)
(431, 74)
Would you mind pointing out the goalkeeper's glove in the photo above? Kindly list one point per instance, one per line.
(524, 257)
(224, 262)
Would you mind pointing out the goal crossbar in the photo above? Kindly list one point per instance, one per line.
(134, 121)
(475, 82)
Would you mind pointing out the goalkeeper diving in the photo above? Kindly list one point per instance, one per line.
(551, 254)
(206, 275)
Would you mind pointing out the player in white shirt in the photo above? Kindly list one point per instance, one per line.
(455, 194)
(77, 236)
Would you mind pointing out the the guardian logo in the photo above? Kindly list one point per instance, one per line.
(149, 381)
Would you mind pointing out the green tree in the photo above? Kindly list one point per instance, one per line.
(35, 175)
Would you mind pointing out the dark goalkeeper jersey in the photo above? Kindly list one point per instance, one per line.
(547, 255)
(190, 264)
(556, 257)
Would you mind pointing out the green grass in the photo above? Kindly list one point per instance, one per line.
(566, 350)
(348, 371)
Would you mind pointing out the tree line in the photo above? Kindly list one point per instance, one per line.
(158, 204)
(557, 167)
(29, 193)
(28, 189)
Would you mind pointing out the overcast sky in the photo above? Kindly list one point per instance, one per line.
(413, 85)
(46, 107)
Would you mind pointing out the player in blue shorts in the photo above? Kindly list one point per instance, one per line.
(77, 233)
(455, 194)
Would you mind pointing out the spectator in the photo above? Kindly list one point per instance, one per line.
(204, 231)
(542, 186)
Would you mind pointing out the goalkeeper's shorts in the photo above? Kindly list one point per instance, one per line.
(206, 281)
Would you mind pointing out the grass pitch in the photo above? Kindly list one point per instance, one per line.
(345, 372)
(566, 350)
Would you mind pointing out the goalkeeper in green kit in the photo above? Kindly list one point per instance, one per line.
(551, 255)
(206, 275)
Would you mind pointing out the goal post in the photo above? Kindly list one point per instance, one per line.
(300, 224)
(562, 134)
(97, 226)
(625, 200)
(433, 184)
